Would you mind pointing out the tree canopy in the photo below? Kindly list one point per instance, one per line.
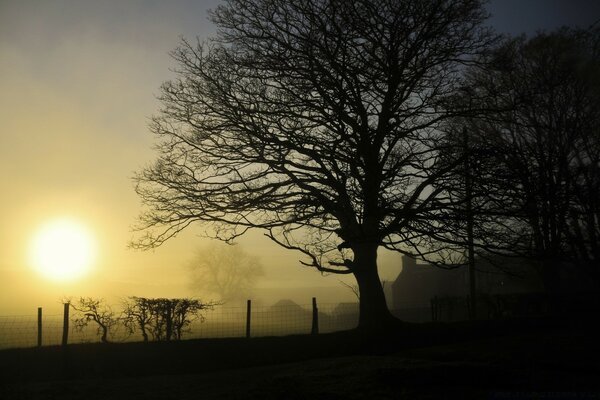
(315, 121)
(228, 272)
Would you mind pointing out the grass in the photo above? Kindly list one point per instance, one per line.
(458, 360)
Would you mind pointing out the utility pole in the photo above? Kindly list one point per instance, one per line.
(469, 216)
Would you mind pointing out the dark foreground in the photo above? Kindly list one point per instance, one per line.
(541, 359)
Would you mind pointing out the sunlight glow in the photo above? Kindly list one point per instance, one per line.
(62, 250)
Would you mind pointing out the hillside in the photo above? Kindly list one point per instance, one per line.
(418, 361)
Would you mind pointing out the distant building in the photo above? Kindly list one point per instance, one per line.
(417, 283)
(287, 305)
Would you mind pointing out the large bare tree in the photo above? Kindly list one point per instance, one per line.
(316, 122)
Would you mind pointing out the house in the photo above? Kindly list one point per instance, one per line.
(418, 283)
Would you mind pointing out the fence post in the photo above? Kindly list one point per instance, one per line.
(65, 337)
(248, 314)
(315, 317)
(39, 332)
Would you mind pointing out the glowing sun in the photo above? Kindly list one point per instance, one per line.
(62, 250)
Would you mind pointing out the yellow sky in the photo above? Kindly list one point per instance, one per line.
(77, 85)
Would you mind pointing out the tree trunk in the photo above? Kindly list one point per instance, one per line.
(104, 338)
(374, 313)
(551, 275)
(169, 324)
(144, 334)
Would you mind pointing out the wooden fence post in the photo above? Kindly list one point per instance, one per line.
(65, 337)
(39, 326)
(315, 317)
(248, 315)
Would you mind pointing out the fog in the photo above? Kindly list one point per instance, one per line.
(77, 85)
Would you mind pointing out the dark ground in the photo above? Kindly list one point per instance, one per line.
(517, 359)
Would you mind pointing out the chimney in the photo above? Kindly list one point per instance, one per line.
(408, 264)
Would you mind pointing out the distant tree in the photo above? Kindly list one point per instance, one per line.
(226, 271)
(164, 319)
(96, 311)
(315, 121)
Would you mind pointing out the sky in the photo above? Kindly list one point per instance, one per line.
(78, 83)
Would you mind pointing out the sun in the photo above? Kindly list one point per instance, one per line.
(62, 250)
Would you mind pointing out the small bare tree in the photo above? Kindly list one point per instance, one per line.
(184, 313)
(96, 311)
(164, 319)
(137, 315)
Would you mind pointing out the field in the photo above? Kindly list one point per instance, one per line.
(514, 359)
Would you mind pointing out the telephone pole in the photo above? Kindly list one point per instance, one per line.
(469, 217)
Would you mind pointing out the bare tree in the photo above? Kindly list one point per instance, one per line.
(185, 312)
(138, 314)
(226, 271)
(96, 311)
(316, 122)
(537, 188)
(164, 319)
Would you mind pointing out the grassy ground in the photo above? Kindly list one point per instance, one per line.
(500, 360)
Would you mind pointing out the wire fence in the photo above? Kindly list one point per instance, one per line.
(284, 318)
(221, 322)
(288, 318)
(22, 330)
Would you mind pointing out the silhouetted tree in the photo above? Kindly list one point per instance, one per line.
(227, 271)
(96, 311)
(165, 319)
(537, 186)
(138, 314)
(315, 121)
